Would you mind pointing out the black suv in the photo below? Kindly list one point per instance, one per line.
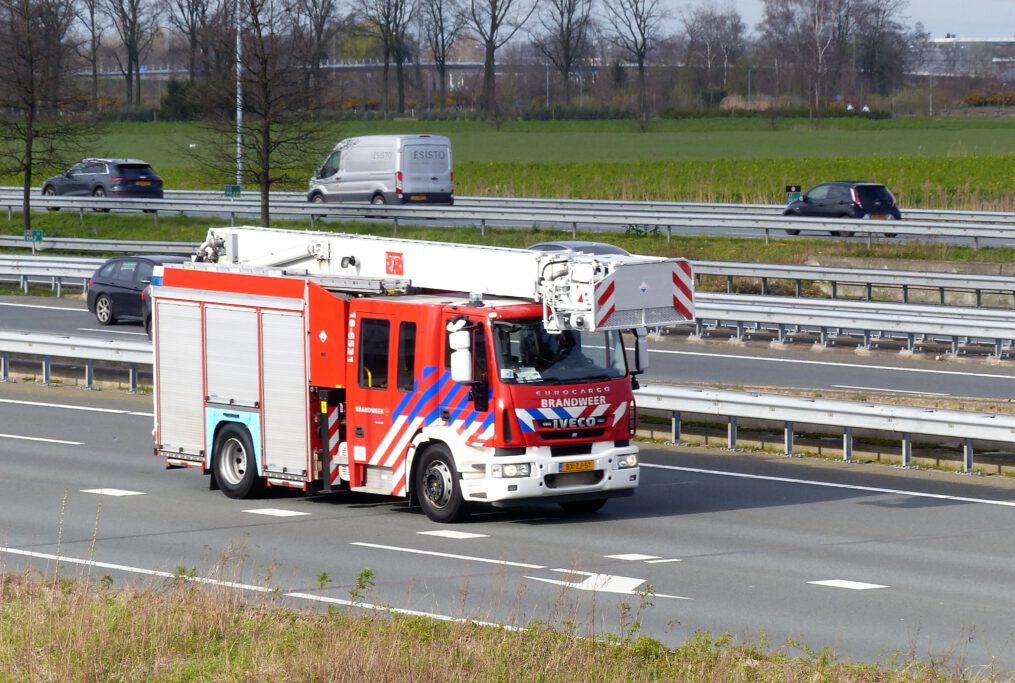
(845, 199)
(116, 289)
(106, 178)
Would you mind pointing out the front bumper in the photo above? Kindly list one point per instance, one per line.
(547, 483)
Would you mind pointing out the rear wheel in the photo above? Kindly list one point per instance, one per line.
(100, 192)
(438, 487)
(235, 468)
(378, 199)
(583, 507)
(50, 191)
(104, 310)
(792, 232)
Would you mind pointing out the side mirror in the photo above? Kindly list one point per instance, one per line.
(317, 171)
(640, 350)
(461, 356)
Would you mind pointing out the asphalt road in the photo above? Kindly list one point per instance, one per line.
(866, 560)
(673, 358)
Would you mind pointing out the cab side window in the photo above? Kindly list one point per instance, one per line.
(374, 339)
(406, 356)
(331, 165)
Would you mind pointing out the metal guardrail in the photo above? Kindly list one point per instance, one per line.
(9, 194)
(46, 347)
(607, 219)
(57, 272)
(848, 415)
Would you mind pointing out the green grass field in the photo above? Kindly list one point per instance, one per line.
(939, 163)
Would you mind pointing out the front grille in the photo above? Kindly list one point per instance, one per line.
(564, 480)
(572, 433)
(571, 449)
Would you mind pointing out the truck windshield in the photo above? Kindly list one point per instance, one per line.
(528, 354)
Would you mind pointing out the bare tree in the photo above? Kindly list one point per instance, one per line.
(35, 133)
(715, 38)
(565, 36)
(136, 23)
(389, 21)
(634, 28)
(90, 16)
(441, 23)
(495, 22)
(315, 25)
(189, 17)
(278, 128)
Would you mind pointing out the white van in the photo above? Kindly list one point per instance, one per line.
(386, 169)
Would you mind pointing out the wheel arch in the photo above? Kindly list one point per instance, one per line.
(213, 435)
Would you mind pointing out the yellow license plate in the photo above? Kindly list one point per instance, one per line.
(580, 466)
(143, 183)
(419, 197)
(879, 216)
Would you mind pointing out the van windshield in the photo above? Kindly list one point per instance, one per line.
(426, 158)
(528, 354)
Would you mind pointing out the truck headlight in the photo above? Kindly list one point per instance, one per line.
(628, 461)
(511, 471)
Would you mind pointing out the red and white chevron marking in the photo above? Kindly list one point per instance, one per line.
(683, 289)
(606, 303)
(333, 441)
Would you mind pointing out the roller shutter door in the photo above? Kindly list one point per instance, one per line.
(179, 383)
(231, 352)
(284, 409)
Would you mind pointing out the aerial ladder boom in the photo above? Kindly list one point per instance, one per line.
(577, 290)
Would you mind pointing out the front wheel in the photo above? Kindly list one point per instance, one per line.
(235, 468)
(317, 199)
(583, 507)
(104, 310)
(438, 487)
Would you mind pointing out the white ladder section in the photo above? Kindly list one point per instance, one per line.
(577, 290)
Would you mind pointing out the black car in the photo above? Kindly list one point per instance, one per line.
(115, 290)
(845, 199)
(106, 178)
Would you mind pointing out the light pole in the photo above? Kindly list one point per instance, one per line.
(239, 100)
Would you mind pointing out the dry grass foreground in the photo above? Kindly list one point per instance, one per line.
(74, 630)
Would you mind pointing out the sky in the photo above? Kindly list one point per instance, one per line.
(964, 18)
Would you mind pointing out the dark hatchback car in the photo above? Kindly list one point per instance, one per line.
(845, 199)
(115, 290)
(106, 178)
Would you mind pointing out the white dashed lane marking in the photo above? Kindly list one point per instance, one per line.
(38, 438)
(276, 512)
(448, 533)
(113, 492)
(851, 585)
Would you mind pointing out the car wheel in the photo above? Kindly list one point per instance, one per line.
(438, 488)
(50, 191)
(317, 199)
(235, 468)
(842, 233)
(378, 199)
(148, 327)
(104, 310)
(792, 232)
(583, 507)
(100, 193)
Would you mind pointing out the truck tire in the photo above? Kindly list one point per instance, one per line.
(235, 470)
(583, 507)
(438, 487)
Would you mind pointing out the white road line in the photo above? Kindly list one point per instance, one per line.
(893, 391)
(631, 557)
(36, 438)
(48, 308)
(662, 561)
(113, 492)
(851, 585)
(64, 406)
(448, 533)
(92, 329)
(276, 512)
(451, 556)
(853, 487)
(860, 366)
(246, 587)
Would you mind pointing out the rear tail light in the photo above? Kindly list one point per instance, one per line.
(89, 285)
(856, 196)
(398, 182)
(120, 179)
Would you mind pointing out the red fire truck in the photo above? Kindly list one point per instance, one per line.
(454, 375)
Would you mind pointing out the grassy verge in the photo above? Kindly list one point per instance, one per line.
(181, 631)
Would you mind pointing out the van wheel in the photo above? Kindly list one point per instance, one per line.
(317, 199)
(378, 199)
(438, 487)
(235, 467)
